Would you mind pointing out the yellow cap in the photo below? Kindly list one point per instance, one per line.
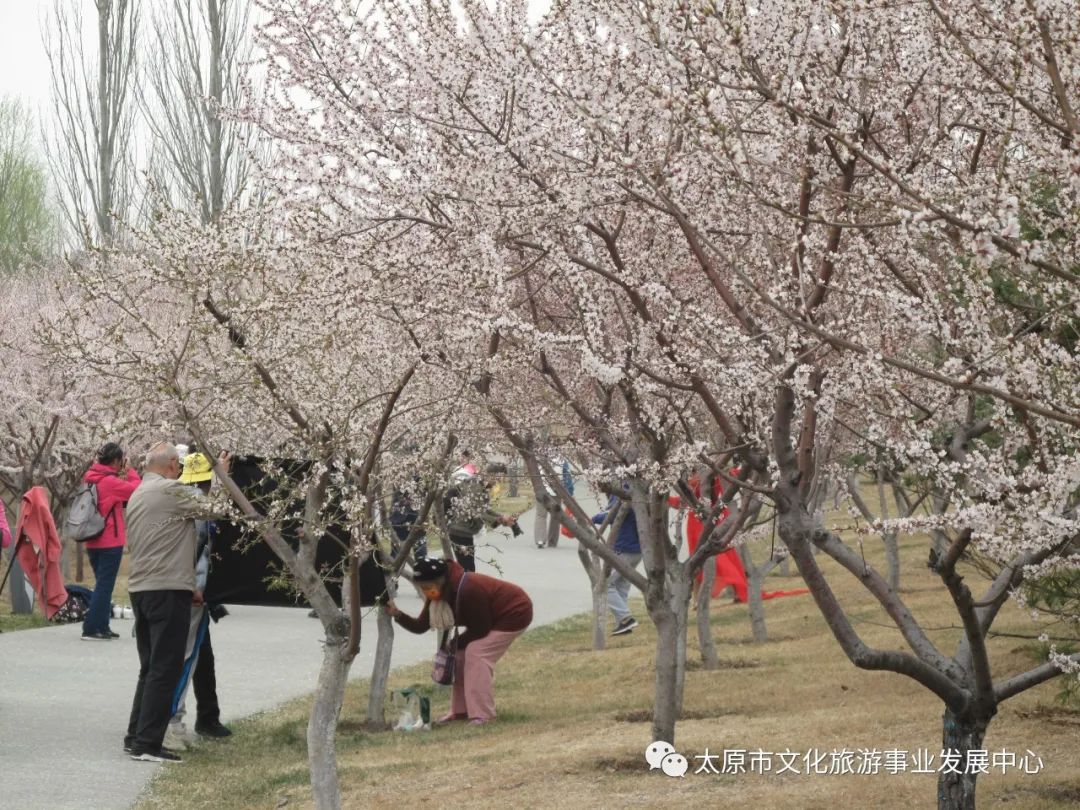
(197, 467)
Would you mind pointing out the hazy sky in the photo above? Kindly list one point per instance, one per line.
(24, 70)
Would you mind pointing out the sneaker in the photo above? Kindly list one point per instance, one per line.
(174, 740)
(129, 746)
(111, 634)
(213, 730)
(128, 612)
(103, 636)
(161, 755)
(625, 626)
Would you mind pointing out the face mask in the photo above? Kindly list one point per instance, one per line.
(432, 592)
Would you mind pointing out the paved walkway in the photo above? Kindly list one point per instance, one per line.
(64, 703)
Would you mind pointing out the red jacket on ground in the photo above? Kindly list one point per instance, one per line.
(113, 493)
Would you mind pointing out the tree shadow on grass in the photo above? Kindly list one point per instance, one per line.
(696, 664)
(625, 764)
(645, 715)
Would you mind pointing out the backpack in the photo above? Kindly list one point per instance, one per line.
(465, 505)
(84, 519)
(75, 607)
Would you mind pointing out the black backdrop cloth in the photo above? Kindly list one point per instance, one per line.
(243, 564)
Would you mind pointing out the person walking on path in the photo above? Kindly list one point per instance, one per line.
(494, 613)
(115, 481)
(627, 546)
(467, 505)
(162, 540)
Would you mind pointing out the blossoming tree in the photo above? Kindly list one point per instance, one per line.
(727, 234)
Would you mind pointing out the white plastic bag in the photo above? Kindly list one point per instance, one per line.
(413, 710)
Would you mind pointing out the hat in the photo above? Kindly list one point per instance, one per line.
(197, 467)
(428, 569)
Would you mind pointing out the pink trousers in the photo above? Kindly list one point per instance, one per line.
(474, 675)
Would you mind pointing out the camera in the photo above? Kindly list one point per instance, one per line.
(217, 612)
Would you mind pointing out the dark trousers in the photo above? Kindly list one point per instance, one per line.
(161, 629)
(553, 527)
(464, 550)
(106, 564)
(419, 547)
(204, 682)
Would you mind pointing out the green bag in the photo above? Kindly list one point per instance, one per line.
(413, 709)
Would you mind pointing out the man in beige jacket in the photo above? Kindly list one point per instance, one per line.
(161, 540)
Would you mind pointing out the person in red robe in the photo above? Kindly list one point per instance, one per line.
(729, 568)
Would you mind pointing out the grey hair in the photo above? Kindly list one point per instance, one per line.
(161, 454)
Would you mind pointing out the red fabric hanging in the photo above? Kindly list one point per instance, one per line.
(39, 551)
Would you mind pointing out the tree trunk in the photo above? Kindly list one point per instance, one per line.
(212, 112)
(665, 699)
(680, 599)
(956, 791)
(322, 725)
(65, 559)
(104, 127)
(709, 658)
(512, 479)
(892, 546)
(22, 599)
(380, 672)
(594, 567)
(599, 606)
(892, 559)
(754, 582)
(669, 617)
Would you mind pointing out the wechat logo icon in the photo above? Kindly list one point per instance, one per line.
(663, 755)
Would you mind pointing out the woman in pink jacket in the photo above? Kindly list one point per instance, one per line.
(115, 482)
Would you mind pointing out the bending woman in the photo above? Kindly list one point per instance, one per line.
(494, 613)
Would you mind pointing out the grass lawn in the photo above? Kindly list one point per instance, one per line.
(9, 621)
(574, 724)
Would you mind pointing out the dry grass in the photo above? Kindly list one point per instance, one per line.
(502, 501)
(10, 621)
(574, 724)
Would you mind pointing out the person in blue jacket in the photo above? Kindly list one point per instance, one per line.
(627, 546)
